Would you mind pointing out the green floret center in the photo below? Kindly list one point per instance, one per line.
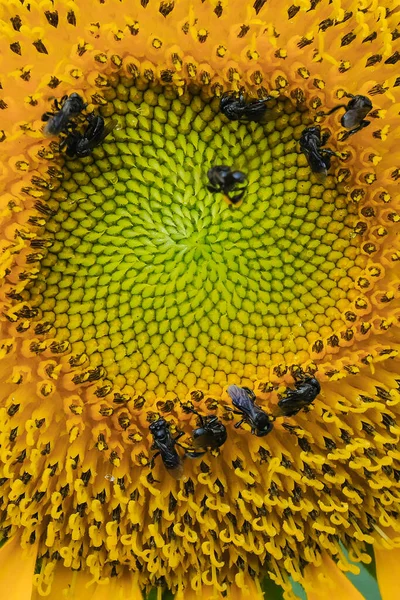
(162, 282)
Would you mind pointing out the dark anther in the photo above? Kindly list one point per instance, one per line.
(71, 18)
(167, 75)
(371, 37)
(388, 421)
(121, 398)
(124, 420)
(382, 394)
(204, 467)
(134, 30)
(330, 444)
(139, 402)
(95, 374)
(102, 391)
(347, 335)
(273, 490)
(166, 8)
(221, 489)
(197, 395)
(81, 508)
(369, 429)
(86, 477)
(304, 42)
(395, 34)
(333, 341)
(264, 455)
(377, 89)
(101, 496)
(392, 60)
(25, 478)
(218, 9)
(304, 445)
(116, 513)
(243, 30)
(37, 497)
(280, 370)
(292, 11)
(189, 487)
(54, 82)
(64, 491)
(373, 60)
(172, 503)
(318, 346)
(40, 47)
(13, 409)
(237, 464)
(16, 47)
(285, 462)
(327, 470)
(16, 22)
(258, 4)
(348, 38)
(324, 25)
(350, 316)
(52, 17)
(13, 434)
(187, 519)
(366, 399)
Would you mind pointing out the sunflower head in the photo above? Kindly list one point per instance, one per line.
(200, 295)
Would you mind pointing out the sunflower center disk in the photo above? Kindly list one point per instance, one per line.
(163, 283)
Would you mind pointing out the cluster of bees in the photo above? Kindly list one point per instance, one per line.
(211, 432)
(312, 140)
(81, 132)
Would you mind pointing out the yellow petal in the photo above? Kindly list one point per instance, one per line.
(79, 585)
(387, 565)
(328, 579)
(16, 570)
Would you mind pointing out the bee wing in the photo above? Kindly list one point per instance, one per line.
(203, 441)
(111, 125)
(177, 471)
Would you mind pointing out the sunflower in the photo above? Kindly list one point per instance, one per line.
(132, 294)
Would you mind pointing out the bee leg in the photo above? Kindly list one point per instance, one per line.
(325, 137)
(178, 437)
(213, 188)
(334, 109)
(150, 463)
(237, 198)
(189, 409)
(47, 115)
(347, 134)
(238, 424)
(194, 453)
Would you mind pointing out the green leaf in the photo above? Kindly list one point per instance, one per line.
(371, 568)
(271, 590)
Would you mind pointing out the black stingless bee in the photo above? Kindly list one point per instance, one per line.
(211, 433)
(82, 144)
(64, 110)
(353, 118)
(237, 109)
(223, 179)
(311, 142)
(307, 388)
(244, 400)
(165, 444)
